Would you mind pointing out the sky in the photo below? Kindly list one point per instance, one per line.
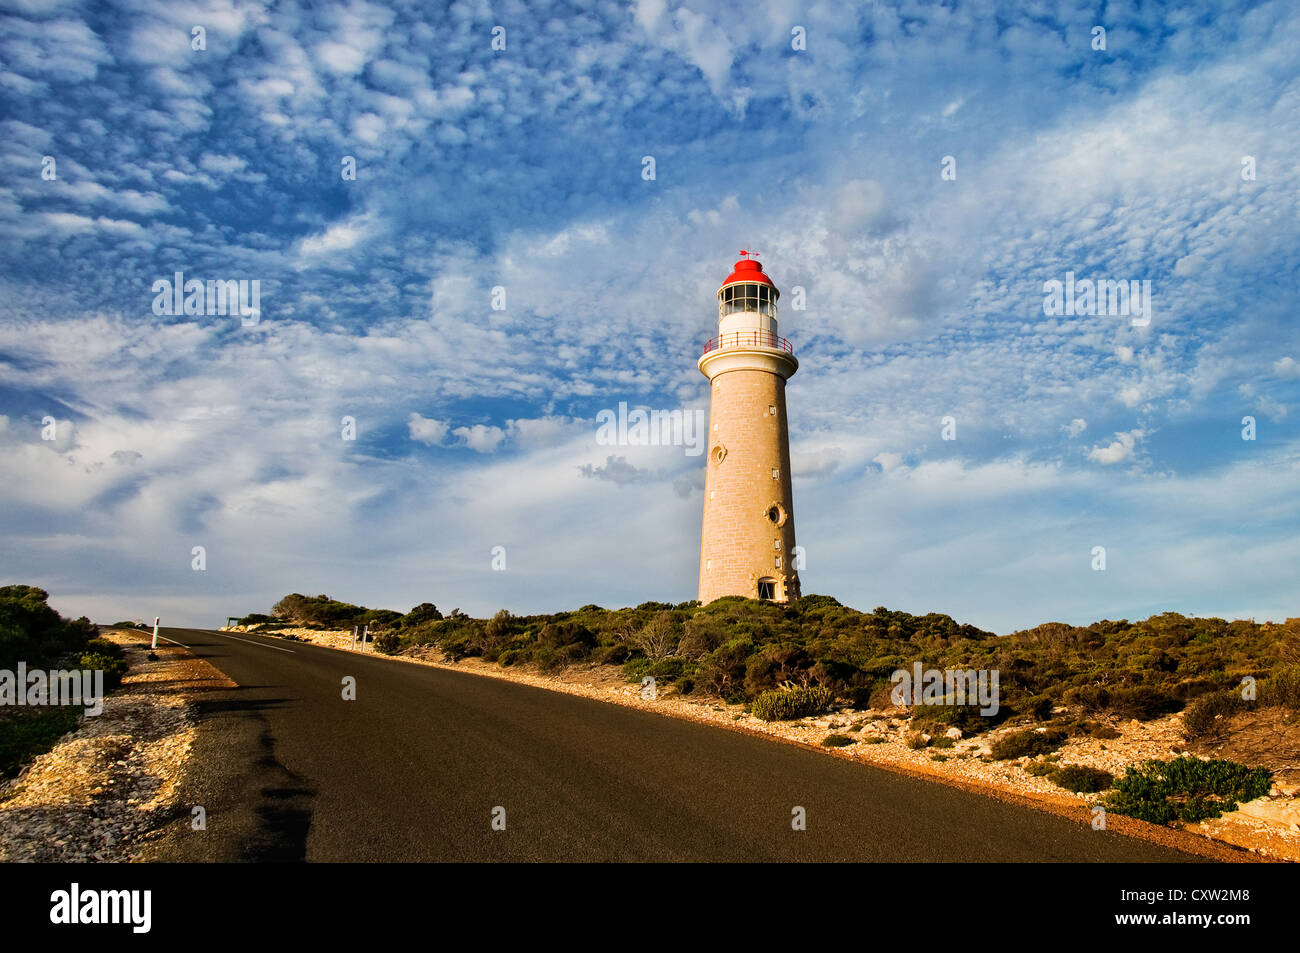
(545, 201)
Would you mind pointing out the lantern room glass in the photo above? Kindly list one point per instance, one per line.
(747, 296)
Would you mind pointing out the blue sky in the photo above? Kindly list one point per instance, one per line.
(522, 169)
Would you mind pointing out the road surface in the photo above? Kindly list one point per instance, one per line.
(414, 767)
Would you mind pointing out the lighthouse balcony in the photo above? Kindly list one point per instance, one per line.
(748, 339)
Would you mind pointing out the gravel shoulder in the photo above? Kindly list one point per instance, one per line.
(1267, 829)
(106, 788)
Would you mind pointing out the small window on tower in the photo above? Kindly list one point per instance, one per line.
(778, 562)
(767, 589)
(771, 410)
(776, 474)
(719, 453)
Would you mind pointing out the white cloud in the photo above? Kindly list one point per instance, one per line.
(427, 430)
(337, 237)
(221, 164)
(888, 461)
(1118, 450)
(481, 438)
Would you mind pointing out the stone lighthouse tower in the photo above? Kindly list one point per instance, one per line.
(747, 543)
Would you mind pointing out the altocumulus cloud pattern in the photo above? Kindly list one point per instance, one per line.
(495, 267)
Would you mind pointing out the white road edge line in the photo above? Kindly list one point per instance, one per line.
(237, 639)
(251, 642)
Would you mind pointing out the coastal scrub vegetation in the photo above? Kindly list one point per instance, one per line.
(737, 649)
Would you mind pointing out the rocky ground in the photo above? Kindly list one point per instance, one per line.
(103, 791)
(1268, 827)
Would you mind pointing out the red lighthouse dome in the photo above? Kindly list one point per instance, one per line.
(747, 269)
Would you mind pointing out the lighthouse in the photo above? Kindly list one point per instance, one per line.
(747, 541)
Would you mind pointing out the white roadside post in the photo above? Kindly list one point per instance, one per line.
(156, 620)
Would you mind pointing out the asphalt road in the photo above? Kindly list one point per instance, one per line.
(413, 769)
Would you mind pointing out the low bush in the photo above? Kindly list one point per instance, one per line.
(1143, 702)
(836, 741)
(105, 647)
(663, 670)
(789, 703)
(1089, 697)
(30, 732)
(1082, 779)
(1185, 789)
(1041, 769)
(1282, 688)
(1205, 716)
(387, 643)
(114, 669)
(1027, 744)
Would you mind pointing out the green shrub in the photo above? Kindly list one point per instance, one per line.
(1082, 779)
(1040, 706)
(114, 669)
(915, 740)
(664, 669)
(836, 741)
(1089, 697)
(790, 703)
(615, 654)
(105, 647)
(966, 717)
(30, 732)
(387, 642)
(549, 660)
(32, 632)
(1041, 769)
(1143, 702)
(1282, 688)
(1027, 744)
(1207, 714)
(1185, 789)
